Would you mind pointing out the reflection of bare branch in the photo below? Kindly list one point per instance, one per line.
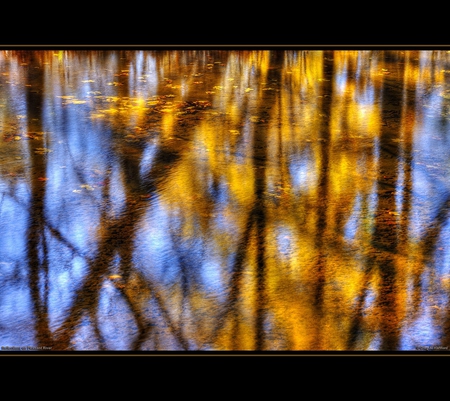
(145, 287)
(87, 296)
(55, 232)
(255, 222)
(143, 327)
(236, 278)
(116, 235)
(136, 288)
(431, 236)
(357, 319)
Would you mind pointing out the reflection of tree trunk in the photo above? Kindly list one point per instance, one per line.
(235, 284)
(386, 231)
(260, 147)
(357, 318)
(409, 126)
(256, 224)
(36, 244)
(322, 193)
(259, 213)
(130, 168)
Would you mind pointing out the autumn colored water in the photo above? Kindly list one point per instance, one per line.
(226, 200)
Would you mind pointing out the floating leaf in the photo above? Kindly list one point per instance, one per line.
(42, 151)
(33, 135)
(86, 186)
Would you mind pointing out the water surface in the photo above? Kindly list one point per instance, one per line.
(224, 200)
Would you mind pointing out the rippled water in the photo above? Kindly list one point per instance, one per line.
(224, 200)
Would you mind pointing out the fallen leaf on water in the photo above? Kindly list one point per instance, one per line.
(255, 119)
(33, 135)
(43, 179)
(114, 276)
(86, 186)
(42, 151)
